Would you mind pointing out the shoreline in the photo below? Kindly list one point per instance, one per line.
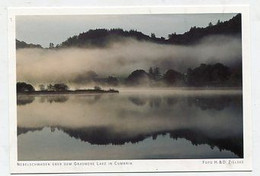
(68, 92)
(178, 91)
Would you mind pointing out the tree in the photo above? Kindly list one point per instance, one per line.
(157, 73)
(208, 75)
(170, 36)
(97, 88)
(210, 24)
(86, 77)
(162, 38)
(22, 44)
(138, 77)
(60, 87)
(193, 28)
(112, 81)
(154, 73)
(42, 87)
(50, 87)
(173, 77)
(153, 36)
(24, 87)
(51, 45)
(151, 71)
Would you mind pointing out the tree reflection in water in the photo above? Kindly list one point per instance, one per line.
(138, 117)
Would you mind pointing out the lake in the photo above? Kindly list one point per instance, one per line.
(134, 124)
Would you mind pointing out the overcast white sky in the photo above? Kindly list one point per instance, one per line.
(56, 29)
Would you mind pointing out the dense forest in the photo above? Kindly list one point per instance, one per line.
(103, 37)
(22, 44)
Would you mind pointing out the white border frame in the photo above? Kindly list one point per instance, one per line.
(160, 165)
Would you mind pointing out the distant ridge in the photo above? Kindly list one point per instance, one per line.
(22, 44)
(230, 27)
(104, 37)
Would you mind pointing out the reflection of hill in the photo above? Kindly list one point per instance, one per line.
(233, 144)
(25, 100)
(21, 130)
(212, 119)
(101, 136)
(106, 135)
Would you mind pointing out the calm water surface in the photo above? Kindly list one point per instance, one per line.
(131, 125)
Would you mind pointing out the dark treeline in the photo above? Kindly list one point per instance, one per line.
(25, 87)
(22, 87)
(205, 75)
(22, 44)
(103, 37)
(231, 27)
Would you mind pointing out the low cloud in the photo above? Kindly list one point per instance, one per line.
(121, 58)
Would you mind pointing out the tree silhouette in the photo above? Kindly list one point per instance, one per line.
(154, 73)
(61, 87)
(97, 88)
(24, 87)
(51, 45)
(157, 73)
(138, 77)
(208, 75)
(42, 87)
(172, 77)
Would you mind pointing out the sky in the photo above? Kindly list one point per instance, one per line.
(56, 29)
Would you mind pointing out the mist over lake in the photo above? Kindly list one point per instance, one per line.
(131, 125)
(120, 93)
(121, 58)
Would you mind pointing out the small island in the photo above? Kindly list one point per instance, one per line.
(28, 89)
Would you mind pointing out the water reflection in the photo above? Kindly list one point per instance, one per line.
(23, 100)
(124, 119)
(204, 103)
(54, 99)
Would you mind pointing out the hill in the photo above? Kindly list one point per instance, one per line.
(22, 44)
(230, 27)
(103, 37)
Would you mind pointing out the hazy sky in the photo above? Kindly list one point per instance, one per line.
(56, 29)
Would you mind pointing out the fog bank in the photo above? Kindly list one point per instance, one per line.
(121, 58)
